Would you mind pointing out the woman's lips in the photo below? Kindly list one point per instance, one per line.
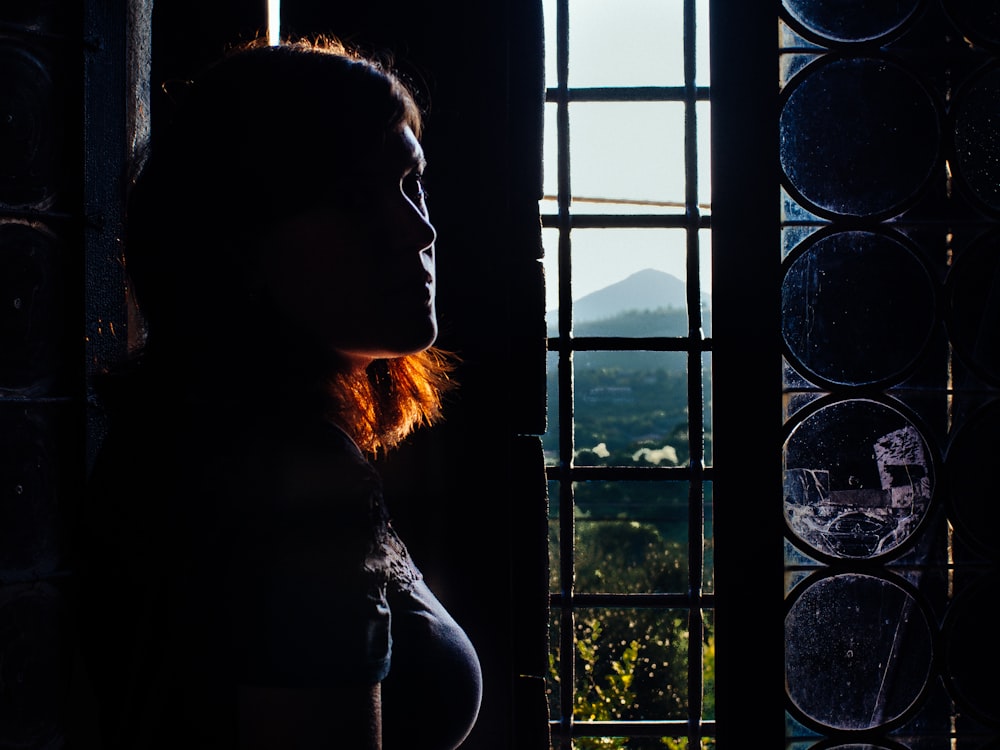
(415, 293)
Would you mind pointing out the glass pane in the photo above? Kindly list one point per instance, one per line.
(555, 537)
(708, 569)
(626, 43)
(977, 152)
(553, 679)
(705, 271)
(706, 373)
(703, 73)
(708, 666)
(974, 282)
(550, 170)
(611, 741)
(549, 29)
(977, 21)
(704, 114)
(971, 652)
(857, 307)
(974, 512)
(632, 43)
(550, 440)
(887, 149)
(851, 20)
(631, 537)
(626, 157)
(550, 265)
(858, 480)
(858, 137)
(871, 642)
(616, 271)
(631, 408)
(631, 664)
(34, 333)
(592, 194)
(640, 269)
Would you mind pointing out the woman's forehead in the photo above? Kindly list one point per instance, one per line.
(403, 149)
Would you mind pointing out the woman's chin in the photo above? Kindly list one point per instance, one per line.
(390, 349)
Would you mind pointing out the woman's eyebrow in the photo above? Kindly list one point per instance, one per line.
(413, 157)
(406, 152)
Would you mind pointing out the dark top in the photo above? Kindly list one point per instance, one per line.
(226, 549)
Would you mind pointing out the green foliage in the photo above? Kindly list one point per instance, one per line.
(631, 664)
(628, 557)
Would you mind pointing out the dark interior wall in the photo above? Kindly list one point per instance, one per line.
(468, 495)
(41, 357)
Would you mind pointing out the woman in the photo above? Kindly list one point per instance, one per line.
(243, 587)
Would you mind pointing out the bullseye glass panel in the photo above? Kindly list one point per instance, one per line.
(33, 308)
(858, 136)
(975, 513)
(972, 651)
(51, 214)
(29, 136)
(974, 307)
(977, 138)
(857, 308)
(978, 20)
(850, 20)
(889, 252)
(29, 491)
(847, 628)
(858, 480)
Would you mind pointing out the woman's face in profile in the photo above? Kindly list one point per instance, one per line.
(357, 271)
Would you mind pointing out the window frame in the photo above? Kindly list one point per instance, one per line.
(747, 375)
(744, 159)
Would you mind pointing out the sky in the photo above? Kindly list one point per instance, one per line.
(632, 151)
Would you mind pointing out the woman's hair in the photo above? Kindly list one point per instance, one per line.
(266, 132)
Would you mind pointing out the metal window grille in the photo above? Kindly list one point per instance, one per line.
(594, 696)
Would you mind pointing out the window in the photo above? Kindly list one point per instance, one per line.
(628, 449)
(760, 389)
(853, 374)
(888, 254)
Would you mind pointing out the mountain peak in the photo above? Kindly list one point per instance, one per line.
(648, 289)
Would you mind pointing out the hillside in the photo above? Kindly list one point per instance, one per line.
(648, 289)
(647, 303)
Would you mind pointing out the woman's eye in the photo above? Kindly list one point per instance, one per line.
(413, 185)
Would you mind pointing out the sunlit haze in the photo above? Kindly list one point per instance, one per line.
(273, 21)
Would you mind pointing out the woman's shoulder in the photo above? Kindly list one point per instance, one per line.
(241, 460)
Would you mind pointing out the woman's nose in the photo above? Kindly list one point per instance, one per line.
(418, 232)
